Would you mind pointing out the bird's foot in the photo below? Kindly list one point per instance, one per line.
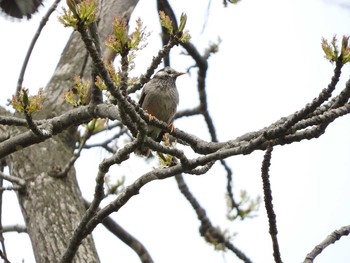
(150, 117)
(171, 127)
(166, 139)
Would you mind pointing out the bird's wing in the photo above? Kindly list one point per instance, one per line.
(142, 98)
(145, 91)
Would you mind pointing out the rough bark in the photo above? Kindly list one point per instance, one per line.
(53, 206)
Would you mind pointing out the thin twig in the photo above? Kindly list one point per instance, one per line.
(268, 204)
(131, 117)
(126, 237)
(309, 108)
(155, 63)
(13, 228)
(46, 133)
(202, 64)
(81, 231)
(2, 240)
(10, 188)
(96, 93)
(13, 179)
(210, 233)
(76, 155)
(164, 6)
(14, 121)
(32, 44)
(105, 144)
(4, 257)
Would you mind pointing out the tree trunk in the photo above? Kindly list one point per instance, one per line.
(52, 206)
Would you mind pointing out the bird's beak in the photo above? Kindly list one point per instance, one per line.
(180, 73)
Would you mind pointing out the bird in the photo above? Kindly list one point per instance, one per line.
(159, 98)
(20, 8)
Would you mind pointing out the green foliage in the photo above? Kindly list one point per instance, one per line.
(138, 37)
(27, 104)
(100, 83)
(118, 41)
(126, 45)
(122, 42)
(166, 160)
(78, 94)
(116, 77)
(95, 126)
(248, 212)
(331, 50)
(214, 47)
(183, 21)
(345, 50)
(84, 12)
(185, 37)
(114, 188)
(166, 22)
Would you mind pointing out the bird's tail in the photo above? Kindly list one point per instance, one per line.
(143, 151)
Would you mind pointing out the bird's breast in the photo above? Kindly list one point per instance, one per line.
(162, 103)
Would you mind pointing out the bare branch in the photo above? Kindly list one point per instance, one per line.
(201, 62)
(268, 204)
(4, 257)
(96, 93)
(209, 233)
(80, 232)
(126, 237)
(77, 236)
(2, 240)
(14, 121)
(45, 133)
(105, 144)
(13, 179)
(332, 238)
(14, 228)
(164, 6)
(309, 108)
(155, 63)
(10, 188)
(32, 44)
(188, 112)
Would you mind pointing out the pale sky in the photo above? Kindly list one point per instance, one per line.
(270, 64)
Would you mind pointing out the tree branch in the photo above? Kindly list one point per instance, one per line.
(13, 179)
(79, 233)
(332, 238)
(127, 238)
(14, 228)
(32, 44)
(211, 234)
(268, 204)
(2, 240)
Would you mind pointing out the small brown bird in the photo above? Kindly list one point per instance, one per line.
(160, 98)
